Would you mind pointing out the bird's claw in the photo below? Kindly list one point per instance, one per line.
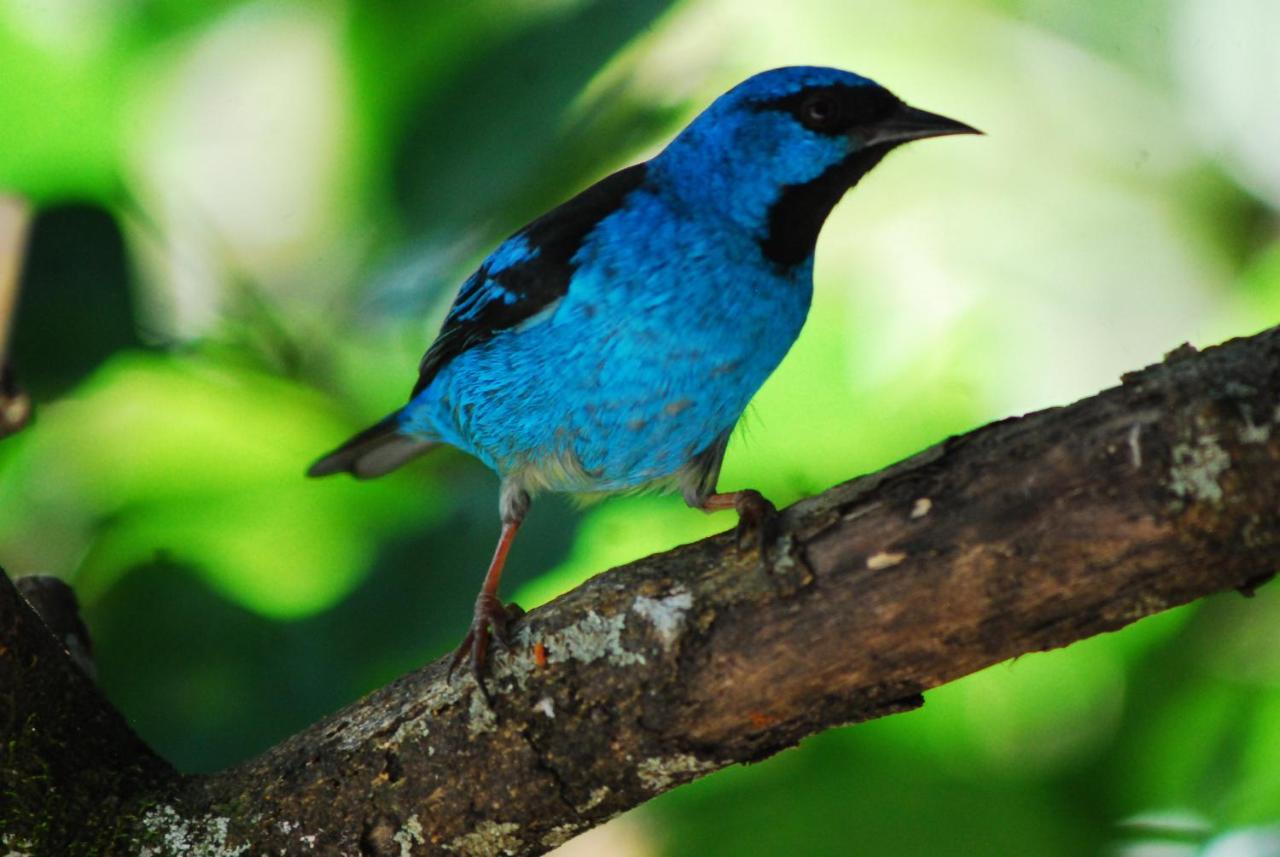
(760, 523)
(490, 620)
(757, 522)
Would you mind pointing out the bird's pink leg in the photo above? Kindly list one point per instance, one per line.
(489, 611)
(756, 516)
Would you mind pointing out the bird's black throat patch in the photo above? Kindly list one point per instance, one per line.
(797, 215)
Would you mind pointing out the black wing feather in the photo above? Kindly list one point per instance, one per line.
(489, 303)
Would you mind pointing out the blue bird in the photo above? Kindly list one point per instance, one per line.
(612, 344)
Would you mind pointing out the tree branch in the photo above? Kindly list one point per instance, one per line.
(1025, 535)
(72, 774)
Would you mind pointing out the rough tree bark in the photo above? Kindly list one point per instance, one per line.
(1021, 536)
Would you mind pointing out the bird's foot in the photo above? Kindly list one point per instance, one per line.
(759, 525)
(781, 557)
(757, 521)
(490, 619)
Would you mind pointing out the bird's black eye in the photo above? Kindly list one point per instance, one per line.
(820, 112)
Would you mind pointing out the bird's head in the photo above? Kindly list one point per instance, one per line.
(775, 153)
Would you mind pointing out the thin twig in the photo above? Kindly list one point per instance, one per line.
(15, 219)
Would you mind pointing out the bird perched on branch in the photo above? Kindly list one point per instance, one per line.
(612, 344)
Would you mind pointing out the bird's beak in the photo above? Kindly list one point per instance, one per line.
(908, 123)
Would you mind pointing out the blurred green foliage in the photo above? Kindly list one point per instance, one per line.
(253, 214)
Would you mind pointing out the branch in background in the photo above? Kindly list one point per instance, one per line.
(15, 218)
(56, 604)
(1025, 535)
(71, 772)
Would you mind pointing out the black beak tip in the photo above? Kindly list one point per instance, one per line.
(911, 123)
(934, 124)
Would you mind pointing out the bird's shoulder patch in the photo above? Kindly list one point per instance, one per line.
(526, 274)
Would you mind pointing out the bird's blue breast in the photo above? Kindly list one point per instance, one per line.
(671, 322)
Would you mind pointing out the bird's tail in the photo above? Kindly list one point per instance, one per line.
(378, 449)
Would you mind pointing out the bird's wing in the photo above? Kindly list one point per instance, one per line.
(528, 272)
